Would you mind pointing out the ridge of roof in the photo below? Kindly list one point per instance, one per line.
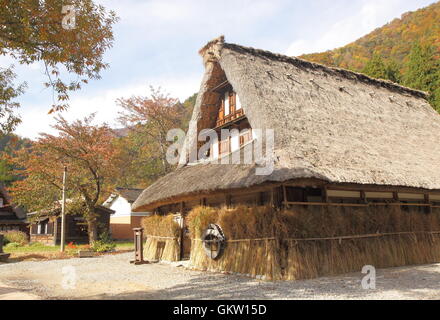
(207, 52)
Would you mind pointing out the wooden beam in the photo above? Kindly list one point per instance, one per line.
(324, 193)
(228, 200)
(359, 204)
(268, 186)
(285, 202)
(329, 204)
(363, 197)
(260, 199)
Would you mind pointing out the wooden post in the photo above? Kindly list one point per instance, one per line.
(260, 199)
(363, 197)
(228, 200)
(272, 202)
(63, 212)
(285, 197)
(428, 201)
(138, 246)
(182, 229)
(324, 191)
(55, 230)
(427, 198)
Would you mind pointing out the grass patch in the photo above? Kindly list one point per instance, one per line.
(124, 245)
(32, 248)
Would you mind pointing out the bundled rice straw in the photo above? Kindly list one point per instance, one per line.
(308, 242)
(163, 238)
(251, 249)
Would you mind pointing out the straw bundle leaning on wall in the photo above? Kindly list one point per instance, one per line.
(307, 242)
(251, 245)
(163, 242)
(382, 236)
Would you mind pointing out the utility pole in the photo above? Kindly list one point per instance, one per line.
(63, 211)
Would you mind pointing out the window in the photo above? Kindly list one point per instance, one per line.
(298, 194)
(42, 228)
(245, 136)
(226, 103)
(237, 102)
(345, 196)
(224, 146)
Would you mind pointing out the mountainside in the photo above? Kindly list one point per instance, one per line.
(392, 41)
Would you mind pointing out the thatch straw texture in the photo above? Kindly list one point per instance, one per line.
(330, 124)
(254, 258)
(303, 243)
(163, 241)
(312, 259)
(162, 249)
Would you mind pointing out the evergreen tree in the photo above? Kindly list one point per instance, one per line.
(377, 68)
(392, 72)
(423, 72)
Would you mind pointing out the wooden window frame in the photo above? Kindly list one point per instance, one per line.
(220, 153)
(245, 133)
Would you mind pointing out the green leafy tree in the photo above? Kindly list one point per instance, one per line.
(8, 145)
(142, 152)
(377, 68)
(8, 93)
(6, 176)
(423, 72)
(392, 72)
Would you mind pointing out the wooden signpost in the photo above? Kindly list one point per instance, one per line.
(138, 246)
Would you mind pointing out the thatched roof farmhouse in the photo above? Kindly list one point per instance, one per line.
(343, 142)
(330, 124)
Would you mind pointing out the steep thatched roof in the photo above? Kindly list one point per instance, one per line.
(330, 124)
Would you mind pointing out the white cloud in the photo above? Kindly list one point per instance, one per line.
(36, 119)
(372, 14)
(159, 18)
(148, 26)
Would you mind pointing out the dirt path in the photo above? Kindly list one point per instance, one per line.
(113, 277)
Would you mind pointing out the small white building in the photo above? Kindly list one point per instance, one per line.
(124, 220)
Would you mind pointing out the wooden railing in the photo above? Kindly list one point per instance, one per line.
(237, 114)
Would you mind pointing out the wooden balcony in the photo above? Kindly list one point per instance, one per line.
(229, 118)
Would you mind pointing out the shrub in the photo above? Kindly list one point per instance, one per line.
(104, 244)
(15, 236)
(13, 245)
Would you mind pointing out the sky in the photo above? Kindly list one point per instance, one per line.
(157, 42)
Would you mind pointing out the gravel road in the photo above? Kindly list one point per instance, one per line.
(113, 277)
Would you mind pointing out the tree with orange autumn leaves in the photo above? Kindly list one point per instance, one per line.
(97, 157)
(89, 155)
(149, 118)
(68, 37)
